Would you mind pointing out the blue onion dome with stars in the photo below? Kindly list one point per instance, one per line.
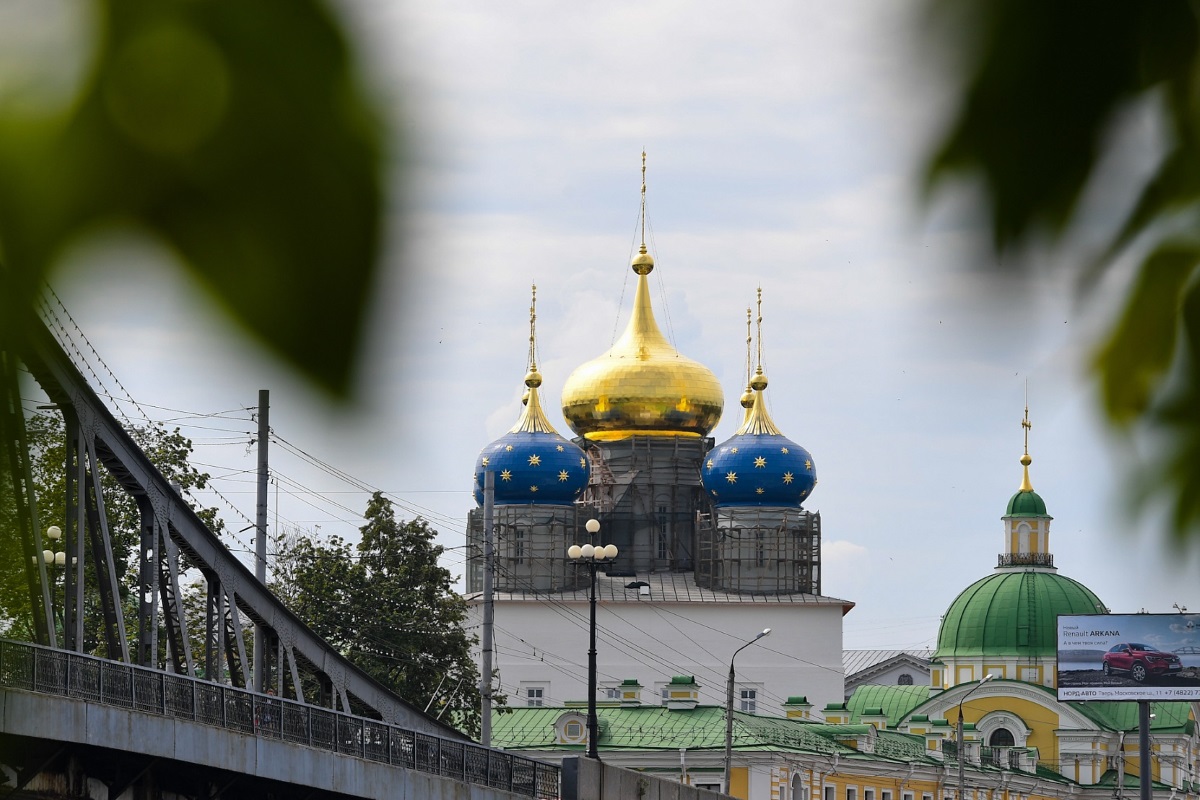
(532, 462)
(758, 465)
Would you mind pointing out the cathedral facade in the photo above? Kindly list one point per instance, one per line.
(713, 541)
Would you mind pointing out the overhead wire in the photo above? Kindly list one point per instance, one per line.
(648, 659)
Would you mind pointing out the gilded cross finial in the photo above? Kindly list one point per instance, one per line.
(533, 330)
(643, 201)
(1025, 423)
(1026, 486)
(749, 351)
(760, 346)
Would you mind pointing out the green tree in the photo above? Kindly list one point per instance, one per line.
(168, 449)
(1043, 86)
(390, 607)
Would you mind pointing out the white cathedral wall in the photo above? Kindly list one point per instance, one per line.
(544, 644)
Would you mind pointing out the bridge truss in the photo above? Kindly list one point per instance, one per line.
(171, 535)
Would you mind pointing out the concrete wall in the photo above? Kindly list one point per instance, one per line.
(61, 719)
(588, 779)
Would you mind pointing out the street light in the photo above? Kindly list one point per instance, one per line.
(593, 557)
(54, 561)
(729, 705)
(959, 733)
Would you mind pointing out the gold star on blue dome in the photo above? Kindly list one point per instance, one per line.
(760, 462)
(788, 477)
(759, 490)
(533, 488)
(535, 461)
(733, 449)
(559, 448)
(807, 464)
(508, 448)
(783, 450)
(710, 464)
(505, 475)
(562, 475)
(485, 461)
(582, 462)
(731, 477)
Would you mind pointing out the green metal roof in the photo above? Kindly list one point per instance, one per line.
(895, 701)
(1132, 780)
(1026, 504)
(1012, 613)
(703, 727)
(1169, 717)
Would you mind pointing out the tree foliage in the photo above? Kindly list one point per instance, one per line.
(391, 609)
(168, 449)
(1043, 85)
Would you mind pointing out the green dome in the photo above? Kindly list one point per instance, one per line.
(1012, 614)
(1026, 503)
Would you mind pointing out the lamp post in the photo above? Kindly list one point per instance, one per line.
(53, 561)
(959, 734)
(593, 556)
(729, 705)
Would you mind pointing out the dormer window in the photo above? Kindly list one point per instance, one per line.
(571, 728)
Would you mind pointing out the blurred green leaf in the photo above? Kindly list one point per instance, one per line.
(239, 134)
(1139, 350)
(1041, 84)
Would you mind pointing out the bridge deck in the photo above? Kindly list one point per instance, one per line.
(68, 697)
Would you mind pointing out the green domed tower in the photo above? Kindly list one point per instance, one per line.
(1006, 624)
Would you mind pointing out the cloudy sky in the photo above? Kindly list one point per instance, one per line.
(784, 141)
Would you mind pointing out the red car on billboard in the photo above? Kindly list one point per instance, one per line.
(1140, 661)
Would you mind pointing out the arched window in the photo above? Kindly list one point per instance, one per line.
(1024, 545)
(1001, 737)
(904, 680)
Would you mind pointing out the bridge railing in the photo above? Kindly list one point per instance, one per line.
(41, 669)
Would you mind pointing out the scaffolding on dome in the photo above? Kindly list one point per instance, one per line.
(647, 494)
(753, 550)
(531, 544)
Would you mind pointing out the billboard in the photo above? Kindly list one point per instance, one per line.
(1129, 657)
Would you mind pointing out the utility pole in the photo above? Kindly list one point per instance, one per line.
(489, 608)
(1145, 775)
(260, 538)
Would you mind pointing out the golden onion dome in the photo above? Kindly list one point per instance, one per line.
(642, 386)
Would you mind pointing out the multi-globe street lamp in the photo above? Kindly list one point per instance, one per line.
(54, 561)
(593, 557)
(729, 704)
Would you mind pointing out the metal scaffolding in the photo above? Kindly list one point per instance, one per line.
(648, 495)
(757, 550)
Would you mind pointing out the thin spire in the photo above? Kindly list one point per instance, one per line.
(533, 330)
(1026, 486)
(749, 351)
(758, 421)
(643, 201)
(533, 419)
(760, 346)
(643, 264)
(747, 399)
